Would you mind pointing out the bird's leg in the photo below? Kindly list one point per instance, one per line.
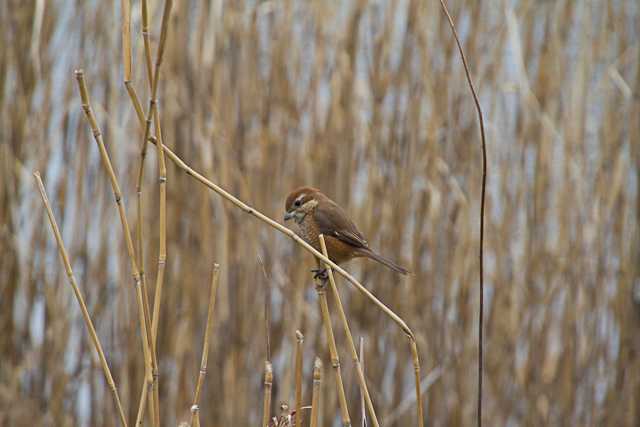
(320, 273)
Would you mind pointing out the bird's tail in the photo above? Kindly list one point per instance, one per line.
(382, 260)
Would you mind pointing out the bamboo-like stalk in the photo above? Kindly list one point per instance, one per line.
(299, 351)
(363, 408)
(315, 396)
(268, 382)
(83, 307)
(352, 347)
(416, 371)
(143, 314)
(126, 42)
(144, 392)
(125, 6)
(333, 351)
(145, 37)
(293, 236)
(153, 77)
(125, 10)
(162, 183)
(195, 418)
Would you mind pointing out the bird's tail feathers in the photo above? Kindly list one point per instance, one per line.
(385, 261)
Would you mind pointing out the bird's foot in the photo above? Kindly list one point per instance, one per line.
(320, 273)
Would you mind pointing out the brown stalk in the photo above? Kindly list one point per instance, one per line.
(144, 392)
(274, 224)
(145, 36)
(143, 314)
(162, 179)
(315, 396)
(195, 419)
(125, 8)
(205, 346)
(268, 382)
(362, 403)
(333, 351)
(162, 182)
(299, 351)
(83, 307)
(126, 59)
(352, 347)
(126, 47)
(482, 201)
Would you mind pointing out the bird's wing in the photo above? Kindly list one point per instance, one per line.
(335, 223)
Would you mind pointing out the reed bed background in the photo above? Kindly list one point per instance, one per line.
(367, 101)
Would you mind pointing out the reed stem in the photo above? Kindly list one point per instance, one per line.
(83, 307)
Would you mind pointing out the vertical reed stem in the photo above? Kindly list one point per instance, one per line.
(315, 399)
(333, 351)
(352, 347)
(268, 382)
(299, 351)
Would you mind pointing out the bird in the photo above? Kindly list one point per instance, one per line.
(314, 214)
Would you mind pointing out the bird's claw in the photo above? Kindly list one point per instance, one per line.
(320, 273)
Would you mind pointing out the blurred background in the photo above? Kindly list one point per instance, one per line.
(367, 101)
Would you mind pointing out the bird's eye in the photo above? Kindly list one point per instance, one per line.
(297, 203)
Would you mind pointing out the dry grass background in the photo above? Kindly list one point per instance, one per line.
(366, 100)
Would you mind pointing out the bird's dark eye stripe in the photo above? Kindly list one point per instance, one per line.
(297, 203)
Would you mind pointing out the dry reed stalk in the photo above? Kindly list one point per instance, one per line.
(162, 180)
(333, 351)
(143, 314)
(147, 44)
(205, 346)
(162, 183)
(482, 202)
(352, 347)
(293, 236)
(125, 10)
(363, 408)
(315, 396)
(76, 290)
(416, 372)
(299, 351)
(329, 263)
(144, 392)
(195, 418)
(268, 382)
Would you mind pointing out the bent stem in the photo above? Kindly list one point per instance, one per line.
(83, 307)
(281, 228)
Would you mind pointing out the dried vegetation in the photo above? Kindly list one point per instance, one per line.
(368, 101)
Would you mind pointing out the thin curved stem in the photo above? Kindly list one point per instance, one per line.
(482, 201)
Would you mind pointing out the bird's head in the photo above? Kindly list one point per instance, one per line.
(300, 202)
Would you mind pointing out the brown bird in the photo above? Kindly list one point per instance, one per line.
(315, 214)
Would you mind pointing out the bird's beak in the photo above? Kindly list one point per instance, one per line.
(289, 215)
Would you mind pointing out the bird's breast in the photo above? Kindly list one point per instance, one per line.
(308, 230)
